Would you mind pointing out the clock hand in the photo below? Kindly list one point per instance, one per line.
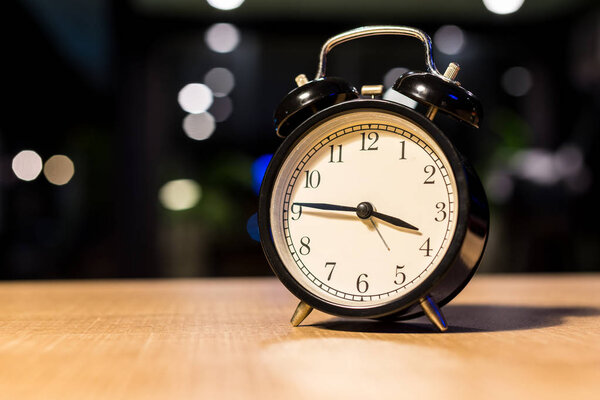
(394, 221)
(364, 210)
(359, 211)
(377, 229)
(325, 206)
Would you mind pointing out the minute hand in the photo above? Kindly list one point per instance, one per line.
(329, 207)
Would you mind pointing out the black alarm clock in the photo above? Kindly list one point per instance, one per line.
(367, 209)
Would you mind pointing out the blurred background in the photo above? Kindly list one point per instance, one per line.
(134, 133)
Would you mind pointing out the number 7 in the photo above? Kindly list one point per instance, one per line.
(332, 265)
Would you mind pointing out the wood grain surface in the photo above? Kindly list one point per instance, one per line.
(528, 337)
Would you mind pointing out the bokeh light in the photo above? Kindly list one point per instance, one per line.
(499, 186)
(392, 76)
(503, 6)
(449, 39)
(259, 167)
(536, 165)
(180, 194)
(568, 160)
(27, 165)
(199, 126)
(581, 182)
(195, 98)
(222, 38)
(544, 167)
(221, 109)
(517, 81)
(225, 4)
(252, 227)
(220, 80)
(59, 169)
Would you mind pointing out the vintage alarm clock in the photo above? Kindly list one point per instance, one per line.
(367, 209)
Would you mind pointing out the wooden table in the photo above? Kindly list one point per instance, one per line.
(533, 337)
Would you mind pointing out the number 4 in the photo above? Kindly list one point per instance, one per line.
(426, 247)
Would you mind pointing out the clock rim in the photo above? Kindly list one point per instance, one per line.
(421, 289)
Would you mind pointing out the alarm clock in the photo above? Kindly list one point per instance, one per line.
(367, 209)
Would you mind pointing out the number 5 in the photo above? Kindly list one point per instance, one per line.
(400, 274)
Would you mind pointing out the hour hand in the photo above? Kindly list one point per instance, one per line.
(394, 221)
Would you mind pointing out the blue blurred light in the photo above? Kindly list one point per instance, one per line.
(453, 96)
(252, 227)
(259, 168)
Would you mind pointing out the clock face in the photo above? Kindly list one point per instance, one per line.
(363, 208)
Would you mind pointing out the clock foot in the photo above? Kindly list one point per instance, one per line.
(301, 312)
(434, 313)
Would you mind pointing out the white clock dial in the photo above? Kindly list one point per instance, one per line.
(366, 158)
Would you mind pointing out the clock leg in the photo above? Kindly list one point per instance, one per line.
(301, 312)
(434, 313)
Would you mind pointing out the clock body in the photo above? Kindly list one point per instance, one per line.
(425, 228)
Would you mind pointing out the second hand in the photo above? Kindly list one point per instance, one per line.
(377, 229)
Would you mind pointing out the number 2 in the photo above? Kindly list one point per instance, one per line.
(429, 169)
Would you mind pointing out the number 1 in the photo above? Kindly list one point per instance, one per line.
(402, 150)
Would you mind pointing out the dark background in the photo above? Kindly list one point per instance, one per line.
(98, 81)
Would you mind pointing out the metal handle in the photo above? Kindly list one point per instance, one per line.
(375, 31)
